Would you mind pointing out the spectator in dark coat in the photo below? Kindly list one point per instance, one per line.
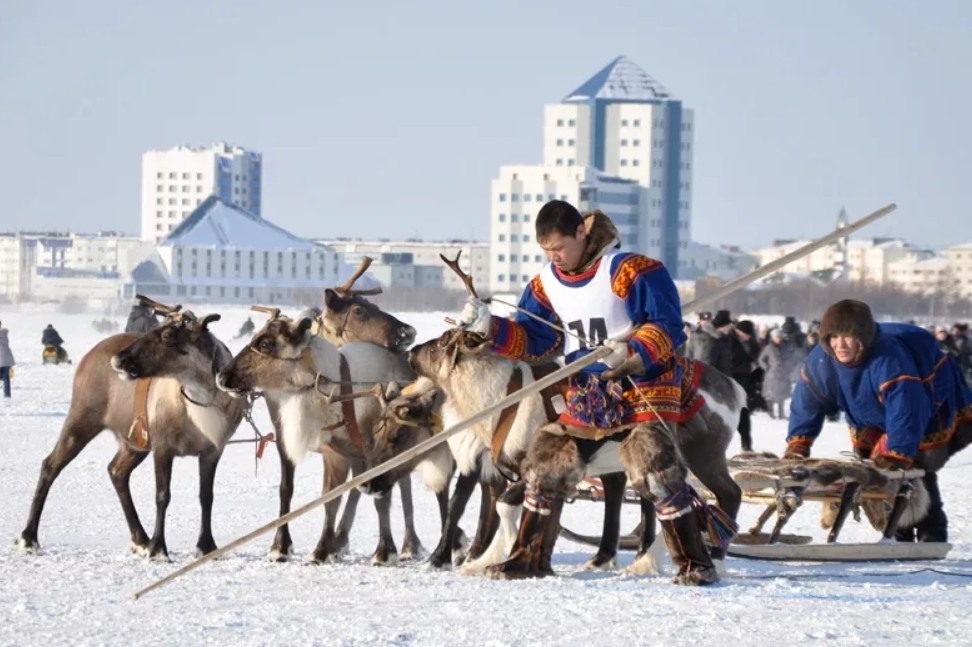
(141, 319)
(6, 360)
(778, 360)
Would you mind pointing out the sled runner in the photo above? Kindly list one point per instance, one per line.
(783, 485)
(844, 486)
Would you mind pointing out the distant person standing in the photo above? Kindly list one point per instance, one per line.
(6, 360)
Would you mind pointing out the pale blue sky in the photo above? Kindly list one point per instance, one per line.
(390, 119)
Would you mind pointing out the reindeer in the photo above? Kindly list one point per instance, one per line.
(310, 381)
(171, 371)
(472, 379)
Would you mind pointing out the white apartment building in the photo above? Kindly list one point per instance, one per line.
(224, 254)
(415, 263)
(959, 259)
(624, 123)
(620, 143)
(924, 276)
(176, 181)
(53, 266)
(704, 261)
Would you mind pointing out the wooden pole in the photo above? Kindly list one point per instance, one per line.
(437, 439)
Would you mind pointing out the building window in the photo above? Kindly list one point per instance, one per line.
(537, 258)
(514, 218)
(158, 214)
(513, 238)
(624, 142)
(185, 201)
(571, 122)
(624, 162)
(514, 197)
(637, 122)
(502, 197)
(501, 258)
(172, 176)
(159, 175)
(560, 142)
(635, 162)
(570, 162)
(560, 122)
(171, 213)
(624, 122)
(560, 162)
(158, 201)
(527, 197)
(526, 258)
(501, 278)
(571, 142)
(525, 278)
(636, 142)
(159, 187)
(198, 189)
(502, 238)
(185, 176)
(502, 217)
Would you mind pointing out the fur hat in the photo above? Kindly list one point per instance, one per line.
(746, 326)
(790, 326)
(848, 317)
(721, 319)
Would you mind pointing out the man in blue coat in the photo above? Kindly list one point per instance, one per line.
(905, 400)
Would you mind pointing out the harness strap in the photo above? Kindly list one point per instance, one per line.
(347, 406)
(138, 432)
(507, 416)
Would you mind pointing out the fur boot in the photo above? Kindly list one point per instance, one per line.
(682, 535)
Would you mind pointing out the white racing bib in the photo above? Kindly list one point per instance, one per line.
(592, 311)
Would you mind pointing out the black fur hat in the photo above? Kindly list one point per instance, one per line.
(721, 319)
(746, 326)
(848, 317)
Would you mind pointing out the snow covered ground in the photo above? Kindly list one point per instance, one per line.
(77, 591)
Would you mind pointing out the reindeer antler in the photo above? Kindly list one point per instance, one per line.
(160, 308)
(273, 312)
(466, 278)
(345, 289)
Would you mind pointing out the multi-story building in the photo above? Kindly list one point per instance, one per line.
(224, 254)
(176, 181)
(623, 122)
(621, 143)
(51, 265)
(922, 276)
(414, 263)
(959, 260)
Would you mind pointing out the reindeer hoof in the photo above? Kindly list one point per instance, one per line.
(28, 546)
(411, 551)
(389, 558)
(205, 547)
(139, 550)
(158, 552)
(515, 569)
(279, 556)
(600, 563)
(321, 557)
(643, 565)
(160, 556)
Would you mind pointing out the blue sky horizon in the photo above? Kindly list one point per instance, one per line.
(391, 120)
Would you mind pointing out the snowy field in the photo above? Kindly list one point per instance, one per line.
(78, 590)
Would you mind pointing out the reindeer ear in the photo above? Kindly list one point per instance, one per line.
(332, 300)
(203, 323)
(303, 326)
(392, 391)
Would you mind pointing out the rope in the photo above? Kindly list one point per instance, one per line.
(261, 439)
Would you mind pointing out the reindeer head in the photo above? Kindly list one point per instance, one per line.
(274, 359)
(349, 317)
(182, 348)
(405, 421)
(437, 358)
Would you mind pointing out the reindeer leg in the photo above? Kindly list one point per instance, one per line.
(607, 552)
(120, 470)
(411, 545)
(207, 475)
(650, 552)
(488, 519)
(163, 494)
(343, 534)
(457, 505)
(282, 545)
(336, 470)
(75, 435)
(386, 553)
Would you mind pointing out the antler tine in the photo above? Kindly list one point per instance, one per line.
(466, 278)
(161, 308)
(273, 312)
(345, 289)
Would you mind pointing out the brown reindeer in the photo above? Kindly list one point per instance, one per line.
(310, 381)
(183, 414)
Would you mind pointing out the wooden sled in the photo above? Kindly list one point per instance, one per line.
(782, 485)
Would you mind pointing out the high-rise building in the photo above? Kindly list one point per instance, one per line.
(176, 181)
(624, 144)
